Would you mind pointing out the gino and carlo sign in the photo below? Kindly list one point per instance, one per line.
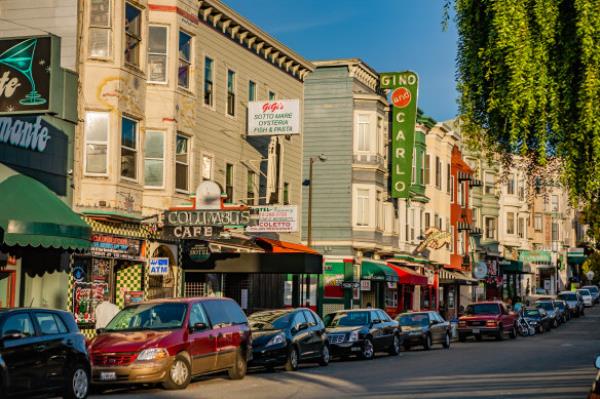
(404, 87)
(26, 69)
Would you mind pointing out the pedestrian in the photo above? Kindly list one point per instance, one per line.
(105, 312)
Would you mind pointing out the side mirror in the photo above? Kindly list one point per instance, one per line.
(597, 364)
(199, 327)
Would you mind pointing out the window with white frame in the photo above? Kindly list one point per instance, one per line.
(452, 240)
(154, 158)
(413, 176)
(250, 190)
(521, 228)
(490, 228)
(100, 30)
(555, 231)
(438, 173)
(555, 207)
(459, 193)
(461, 243)
(230, 92)
(412, 224)
(96, 142)
(538, 222)
(475, 216)
(207, 167)
(362, 207)
(182, 163)
(208, 81)
(451, 188)
(380, 137)
(510, 223)
(133, 34)
(229, 182)
(251, 91)
(427, 221)
(364, 139)
(185, 60)
(490, 183)
(449, 181)
(379, 210)
(510, 185)
(157, 54)
(129, 148)
(521, 190)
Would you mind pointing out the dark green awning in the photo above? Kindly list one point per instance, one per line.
(515, 266)
(32, 215)
(377, 270)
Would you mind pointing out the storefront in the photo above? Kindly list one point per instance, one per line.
(451, 281)
(575, 259)
(516, 280)
(339, 290)
(545, 272)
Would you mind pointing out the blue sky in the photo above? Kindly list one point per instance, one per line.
(390, 35)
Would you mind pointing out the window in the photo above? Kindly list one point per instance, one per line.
(250, 187)
(449, 181)
(100, 32)
(521, 190)
(154, 159)
(452, 240)
(208, 81)
(128, 148)
(286, 193)
(427, 168)
(412, 224)
(422, 170)
(521, 228)
(363, 133)
(510, 223)
(251, 91)
(380, 138)
(207, 167)
(182, 163)
(133, 34)
(157, 54)
(362, 207)
(96, 142)
(461, 242)
(490, 183)
(229, 182)
(555, 232)
(185, 60)
(272, 95)
(438, 173)
(555, 203)
(379, 210)
(413, 175)
(451, 188)
(230, 92)
(510, 185)
(50, 324)
(18, 324)
(427, 222)
(460, 193)
(197, 315)
(475, 212)
(538, 222)
(490, 228)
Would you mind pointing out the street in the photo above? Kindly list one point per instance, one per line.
(558, 364)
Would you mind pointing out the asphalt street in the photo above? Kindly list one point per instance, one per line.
(558, 364)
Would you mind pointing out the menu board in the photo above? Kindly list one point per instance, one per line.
(86, 297)
(115, 247)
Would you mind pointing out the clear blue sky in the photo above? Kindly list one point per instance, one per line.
(389, 35)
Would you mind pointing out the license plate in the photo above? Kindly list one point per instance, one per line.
(476, 331)
(108, 376)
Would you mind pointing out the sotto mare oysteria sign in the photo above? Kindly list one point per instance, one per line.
(269, 118)
(202, 224)
(404, 87)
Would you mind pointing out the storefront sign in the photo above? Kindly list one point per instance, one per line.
(350, 284)
(158, 266)
(24, 133)
(78, 273)
(199, 253)
(480, 271)
(274, 219)
(268, 118)
(86, 296)
(544, 257)
(26, 68)
(365, 285)
(404, 87)
(434, 239)
(202, 224)
(115, 247)
(133, 297)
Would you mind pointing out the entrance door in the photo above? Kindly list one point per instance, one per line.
(7, 289)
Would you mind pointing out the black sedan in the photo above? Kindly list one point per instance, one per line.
(538, 318)
(563, 310)
(552, 310)
(424, 329)
(288, 337)
(42, 351)
(362, 332)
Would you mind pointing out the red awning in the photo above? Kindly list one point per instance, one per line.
(408, 276)
(277, 246)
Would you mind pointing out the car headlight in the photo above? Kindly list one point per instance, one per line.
(153, 354)
(353, 337)
(276, 340)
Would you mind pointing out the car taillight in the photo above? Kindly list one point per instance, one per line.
(462, 323)
(490, 323)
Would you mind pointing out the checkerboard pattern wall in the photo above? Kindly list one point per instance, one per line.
(129, 278)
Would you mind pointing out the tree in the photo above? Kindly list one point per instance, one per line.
(528, 74)
(592, 263)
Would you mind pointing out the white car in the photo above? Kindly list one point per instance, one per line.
(586, 295)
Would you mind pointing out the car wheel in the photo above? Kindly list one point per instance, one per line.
(368, 351)
(446, 343)
(77, 383)
(239, 369)
(293, 360)
(541, 329)
(179, 375)
(462, 337)
(427, 343)
(395, 348)
(500, 333)
(325, 356)
(555, 323)
(513, 333)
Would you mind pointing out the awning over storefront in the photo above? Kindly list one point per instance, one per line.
(32, 215)
(515, 267)
(378, 271)
(408, 276)
(576, 256)
(456, 276)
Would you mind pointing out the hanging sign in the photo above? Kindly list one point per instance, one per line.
(158, 266)
(404, 89)
(365, 285)
(274, 219)
(115, 247)
(269, 118)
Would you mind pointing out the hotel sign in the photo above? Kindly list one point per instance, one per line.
(404, 89)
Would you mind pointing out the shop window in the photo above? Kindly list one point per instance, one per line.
(96, 142)
(251, 91)
(538, 222)
(208, 81)
(490, 228)
(362, 207)
(250, 187)
(133, 34)
(286, 193)
(230, 92)
(100, 30)
(157, 54)
(363, 128)
(182, 163)
(510, 223)
(391, 298)
(185, 60)
(154, 159)
(129, 143)
(229, 182)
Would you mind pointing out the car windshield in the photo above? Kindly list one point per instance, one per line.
(568, 297)
(347, 319)
(149, 316)
(414, 320)
(483, 308)
(273, 320)
(592, 289)
(584, 292)
(559, 305)
(532, 313)
(545, 305)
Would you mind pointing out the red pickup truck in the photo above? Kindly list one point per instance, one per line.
(487, 318)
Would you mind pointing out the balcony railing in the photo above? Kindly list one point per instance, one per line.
(475, 183)
(475, 231)
(463, 226)
(462, 176)
(369, 159)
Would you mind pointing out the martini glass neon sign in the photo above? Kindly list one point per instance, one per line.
(20, 58)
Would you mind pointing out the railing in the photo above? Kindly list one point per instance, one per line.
(370, 159)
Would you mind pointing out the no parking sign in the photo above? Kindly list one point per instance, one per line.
(159, 266)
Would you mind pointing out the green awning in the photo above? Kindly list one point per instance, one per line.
(32, 215)
(377, 270)
(515, 266)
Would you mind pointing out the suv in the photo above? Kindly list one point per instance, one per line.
(170, 341)
(487, 318)
(574, 301)
(42, 352)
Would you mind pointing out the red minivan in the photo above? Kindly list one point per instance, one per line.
(170, 341)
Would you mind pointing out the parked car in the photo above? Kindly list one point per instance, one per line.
(552, 311)
(362, 332)
(169, 341)
(586, 296)
(538, 319)
(288, 337)
(424, 328)
(594, 291)
(563, 310)
(595, 391)
(487, 318)
(42, 352)
(574, 301)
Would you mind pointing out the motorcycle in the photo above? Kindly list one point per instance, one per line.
(523, 327)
